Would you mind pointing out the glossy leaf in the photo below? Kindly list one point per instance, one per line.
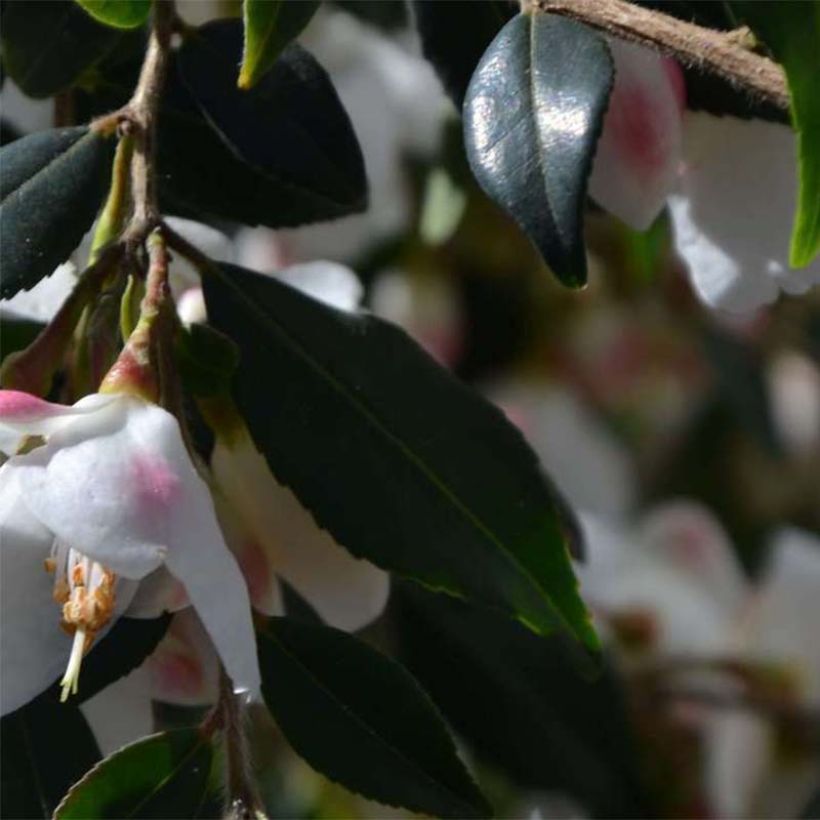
(51, 185)
(46, 747)
(402, 463)
(49, 44)
(269, 26)
(118, 13)
(517, 700)
(290, 128)
(161, 776)
(792, 32)
(532, 116)
(360, 719)
(455, 57)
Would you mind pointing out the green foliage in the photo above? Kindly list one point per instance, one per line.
(49, 44)
(118, 13)
(403, 464)
(51, 186)
(360, 719)
(792, 32)
(207, 360)
(531, 130)
(281, 154)
(161, 776)
(46, 747)
(269, 26)
(524, 708)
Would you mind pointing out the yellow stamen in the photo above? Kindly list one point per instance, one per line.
(85, 591)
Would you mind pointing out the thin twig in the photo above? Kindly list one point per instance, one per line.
(140, 116)
(243, 804)
(714, 52)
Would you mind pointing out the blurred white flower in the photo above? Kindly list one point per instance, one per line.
(590, 466)
(639, 151)
(732, 218)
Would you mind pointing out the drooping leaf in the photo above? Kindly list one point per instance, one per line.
(360, 719)
(51, 185)
(405, 465)
(118, 13)
(269, 26)
(48, 44)
(792, 33)
(46, 747)
(161, 776)
(455, 56)
(532, 117)
(515, 698)
(290, 128)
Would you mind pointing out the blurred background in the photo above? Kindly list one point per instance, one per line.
(687, 442)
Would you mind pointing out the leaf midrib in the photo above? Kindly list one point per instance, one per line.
(411, 456)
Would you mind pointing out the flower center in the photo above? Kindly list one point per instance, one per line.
(85, 591)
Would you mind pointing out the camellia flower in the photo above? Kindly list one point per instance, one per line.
(733, 216)
(638, 152)
(101, 504)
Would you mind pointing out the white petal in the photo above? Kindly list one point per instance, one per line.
(22, 414)
(686, 536)
(184, 668)
(782, 623)
(34, 650)
(329, 282)
(347, 592)
(158, 592)
(199, 557)
(109, 483)
(733, 219)
(591, 468)
(638, 153)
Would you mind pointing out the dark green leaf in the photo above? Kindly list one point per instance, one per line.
(792, 32)
(46, 747)
(118, 13)
(49, 44)
(455, 33)
(290, 129)
(269, 26)
(16, 334)
(516, 699)
(207, 360)
(51, 185)
(161, 776)
(402, 463)
(360, 719)
(532, 117)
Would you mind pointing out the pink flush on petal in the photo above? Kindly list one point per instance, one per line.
(18, 406)
(155, 485)
(253, 562)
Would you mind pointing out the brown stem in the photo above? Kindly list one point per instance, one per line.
(242, 800)
(140, 116)
(714, 52)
